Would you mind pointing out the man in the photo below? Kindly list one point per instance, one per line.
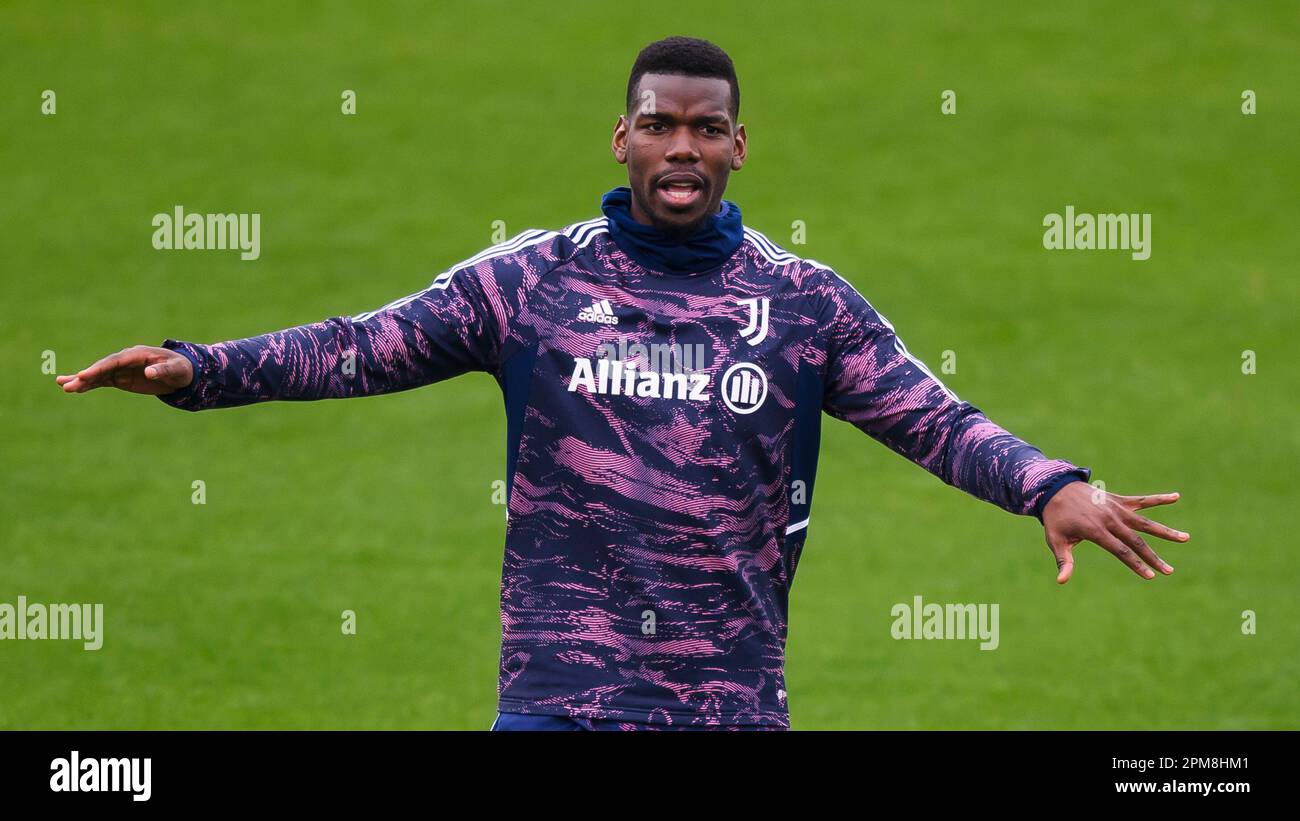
(664, 369)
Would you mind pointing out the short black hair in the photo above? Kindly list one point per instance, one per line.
(686, 56)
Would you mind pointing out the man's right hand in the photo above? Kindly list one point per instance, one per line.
(141, 369)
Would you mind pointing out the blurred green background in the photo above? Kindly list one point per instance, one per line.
(227, 615)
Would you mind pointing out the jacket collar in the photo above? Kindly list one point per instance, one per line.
(700, 252)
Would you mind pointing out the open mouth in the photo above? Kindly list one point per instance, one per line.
(680, 190)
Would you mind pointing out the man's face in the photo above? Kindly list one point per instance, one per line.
(680, 144)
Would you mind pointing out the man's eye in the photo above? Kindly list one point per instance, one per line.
(712, 130)
(655, 126)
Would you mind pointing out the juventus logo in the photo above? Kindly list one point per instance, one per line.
(757, 320)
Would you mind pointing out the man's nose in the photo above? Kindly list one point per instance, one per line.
(681, 146)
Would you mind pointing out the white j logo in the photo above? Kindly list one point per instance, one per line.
(757, 319)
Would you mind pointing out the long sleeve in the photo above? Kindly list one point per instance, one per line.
(876, 385)
(458, 324)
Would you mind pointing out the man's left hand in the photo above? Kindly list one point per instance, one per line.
(1081, 512)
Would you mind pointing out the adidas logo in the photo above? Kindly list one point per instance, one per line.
(600, 311)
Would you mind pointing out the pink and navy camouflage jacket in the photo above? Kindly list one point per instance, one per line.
(663, 433)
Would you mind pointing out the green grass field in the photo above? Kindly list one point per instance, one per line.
(227, 615)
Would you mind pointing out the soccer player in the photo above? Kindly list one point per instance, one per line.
(664, 369)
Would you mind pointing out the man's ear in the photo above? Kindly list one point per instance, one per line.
(619, 144)
(741, 149)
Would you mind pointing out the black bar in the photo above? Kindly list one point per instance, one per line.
(209, 770)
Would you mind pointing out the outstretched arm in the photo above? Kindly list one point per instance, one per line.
(452, 327)
(875, 384)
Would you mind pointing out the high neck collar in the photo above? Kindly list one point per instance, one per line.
(698, 253)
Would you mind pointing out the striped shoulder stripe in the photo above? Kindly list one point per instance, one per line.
(768, 248)
(517, 243)
(592, 234)
(582, 233)
(510, 246)
(773, 253)
(572, 231)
